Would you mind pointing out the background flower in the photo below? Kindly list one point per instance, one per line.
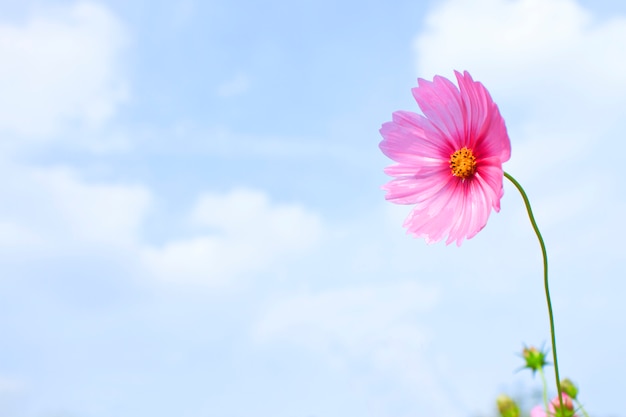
(568, 406)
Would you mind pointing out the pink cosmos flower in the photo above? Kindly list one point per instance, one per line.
(449, 161)
(568, 405)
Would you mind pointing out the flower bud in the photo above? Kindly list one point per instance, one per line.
(568, 387)
(568, 406)
(535, 359)
(507, 406)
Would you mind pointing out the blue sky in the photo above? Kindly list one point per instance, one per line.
(192, 222)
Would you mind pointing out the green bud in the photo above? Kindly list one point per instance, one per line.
(568, 387)
(535, 359)
(507, 407)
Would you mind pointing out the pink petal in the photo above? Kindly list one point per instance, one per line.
(419, 167)
(490, 175)
(416, 188)
(409, 135)
(432, 218)
(441, 103)
(537, 411)
(462, 211)
(485, 125)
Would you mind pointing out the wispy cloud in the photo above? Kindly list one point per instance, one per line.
(554, 56)
(54, 209)
(60, 69)
(377, 327)
(236, 233)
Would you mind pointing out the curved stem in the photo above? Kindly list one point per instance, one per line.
(544, 253)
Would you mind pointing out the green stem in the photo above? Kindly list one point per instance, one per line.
(581, 408)
(544, 253)
(545, 388)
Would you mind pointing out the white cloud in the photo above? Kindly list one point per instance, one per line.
(62, 73)
(54, 207)
(242, 232)
(358, 320)
(13, 235)
(105, 213)
(378, 325)
(549, 55)
(60, 67)
(53, 210)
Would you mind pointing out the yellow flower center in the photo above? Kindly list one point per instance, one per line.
(463, 163)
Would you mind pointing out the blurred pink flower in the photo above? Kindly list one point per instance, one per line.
(449, 161)
(568, 405)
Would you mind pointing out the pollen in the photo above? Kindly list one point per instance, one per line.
(463, 163)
